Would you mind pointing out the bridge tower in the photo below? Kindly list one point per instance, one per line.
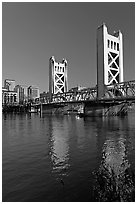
(109, 59)
(58, 82)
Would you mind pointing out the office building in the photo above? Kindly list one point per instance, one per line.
(8, 97)
(22, 93)
(33, 93)
(9, 84)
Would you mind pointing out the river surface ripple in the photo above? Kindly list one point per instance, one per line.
(67, 158)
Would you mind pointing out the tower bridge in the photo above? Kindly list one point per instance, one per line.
(111, 91)
(117, 92)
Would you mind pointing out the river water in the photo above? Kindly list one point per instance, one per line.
(67, 158)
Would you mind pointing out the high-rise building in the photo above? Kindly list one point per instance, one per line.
(109, 58)
(22, 93)
(58, 82)
(25, 90)
(9, 84)
(33, 92)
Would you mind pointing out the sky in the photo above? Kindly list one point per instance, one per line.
(32, 32)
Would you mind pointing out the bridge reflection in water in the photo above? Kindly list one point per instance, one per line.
(59, 149)
(56, 149)
(114, 180)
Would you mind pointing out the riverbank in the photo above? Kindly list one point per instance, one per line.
(16, 108)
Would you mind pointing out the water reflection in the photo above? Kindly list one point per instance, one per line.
(59, 148)
(114, 180)
(40, 154)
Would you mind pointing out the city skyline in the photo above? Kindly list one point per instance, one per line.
(33, 32)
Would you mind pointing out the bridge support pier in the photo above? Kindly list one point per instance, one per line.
(64, 109)
(99, 109)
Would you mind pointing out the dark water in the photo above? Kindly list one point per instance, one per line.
(66, 158)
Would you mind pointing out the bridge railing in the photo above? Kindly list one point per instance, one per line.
(121, 90)
(87, 94)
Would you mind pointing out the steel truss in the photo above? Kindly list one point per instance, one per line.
(121, 91)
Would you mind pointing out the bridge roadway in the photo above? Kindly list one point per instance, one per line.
(115, 101)
(113, 94)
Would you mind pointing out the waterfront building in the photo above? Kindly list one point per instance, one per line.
(25, 89)
(44, 97)
(33, 93)
(9, 84)
(22, 93)
(58, 82)
(8, 97)
(109, 58)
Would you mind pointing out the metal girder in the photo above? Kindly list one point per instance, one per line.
(116, 91)
(121, 90)
(88, 94)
